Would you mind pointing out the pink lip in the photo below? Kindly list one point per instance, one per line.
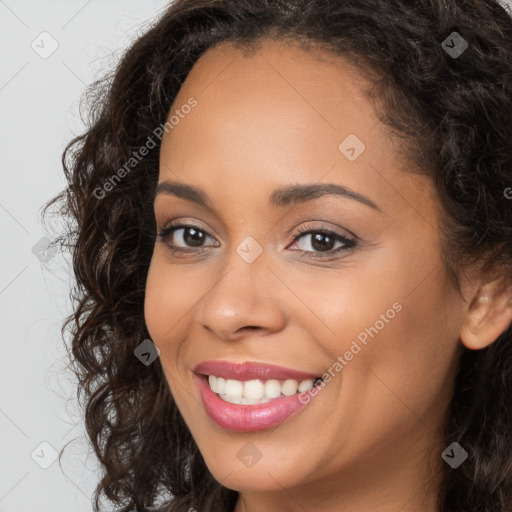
(246, 418)
(248, 371)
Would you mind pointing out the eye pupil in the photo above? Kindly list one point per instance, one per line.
(322, 246)
(196, 237)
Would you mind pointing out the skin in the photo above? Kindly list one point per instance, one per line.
(370, 440)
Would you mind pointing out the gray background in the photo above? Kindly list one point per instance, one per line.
(39, 100)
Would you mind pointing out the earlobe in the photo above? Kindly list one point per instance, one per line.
(488, 316)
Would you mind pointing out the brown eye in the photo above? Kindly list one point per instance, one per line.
(321, 242)
(182, 237)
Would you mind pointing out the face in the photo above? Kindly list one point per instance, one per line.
(343, 282)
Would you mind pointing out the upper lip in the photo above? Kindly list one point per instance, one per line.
(250, 370)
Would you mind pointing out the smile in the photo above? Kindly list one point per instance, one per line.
(244, 397)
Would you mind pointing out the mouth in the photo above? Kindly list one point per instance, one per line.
(246, 397)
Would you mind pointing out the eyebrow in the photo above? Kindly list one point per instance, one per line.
(292, 194)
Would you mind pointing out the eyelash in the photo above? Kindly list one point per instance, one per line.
(348, 243)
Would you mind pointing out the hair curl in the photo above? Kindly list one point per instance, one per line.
(454, 119)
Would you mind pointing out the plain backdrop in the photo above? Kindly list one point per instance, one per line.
(50, 50)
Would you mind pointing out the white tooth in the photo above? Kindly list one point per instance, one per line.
(212, 380)
(272, 388)
(305, 385)
(242, 401)
(254, 389)
(221, 385)
(230, 399)
(234, 388)
(249, 401)
(289, 387)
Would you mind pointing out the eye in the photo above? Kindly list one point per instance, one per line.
(320, 242)
(186, 234)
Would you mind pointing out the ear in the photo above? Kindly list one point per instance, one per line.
(489, 313)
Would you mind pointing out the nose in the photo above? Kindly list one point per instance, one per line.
(246, 300)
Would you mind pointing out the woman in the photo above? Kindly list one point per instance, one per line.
(293, 229)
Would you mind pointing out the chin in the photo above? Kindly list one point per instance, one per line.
(264, 475)
(252, 479)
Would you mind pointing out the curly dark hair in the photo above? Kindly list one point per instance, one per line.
(453, 118)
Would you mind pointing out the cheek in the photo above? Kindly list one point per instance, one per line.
(395, 326)
(165, 301)
(410, 362)
(172, 292)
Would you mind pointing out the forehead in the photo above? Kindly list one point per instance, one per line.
(276, 115)
(284, 77)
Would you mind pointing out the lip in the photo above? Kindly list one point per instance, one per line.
(247, 418)
(248, 371)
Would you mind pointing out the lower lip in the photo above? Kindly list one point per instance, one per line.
(246, 418)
